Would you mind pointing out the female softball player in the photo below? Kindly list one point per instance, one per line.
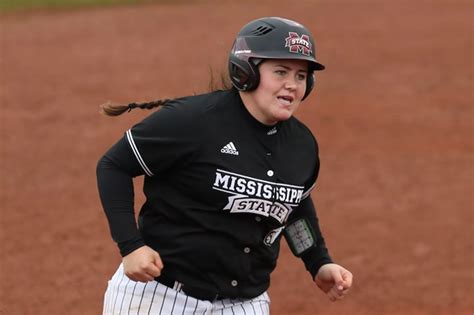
(227, 174)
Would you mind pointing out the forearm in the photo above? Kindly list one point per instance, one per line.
(117, 196)
(303, 223)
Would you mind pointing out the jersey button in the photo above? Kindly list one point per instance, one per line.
(234, 283)
(258, 219)
(246, 250)
(270, 173)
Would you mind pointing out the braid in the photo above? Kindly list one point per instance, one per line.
(153, 104)
(111, 109)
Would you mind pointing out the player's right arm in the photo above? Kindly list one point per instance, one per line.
(115, 184)
(165, 139)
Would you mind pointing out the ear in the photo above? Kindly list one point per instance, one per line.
(243, 73)
(309, 84)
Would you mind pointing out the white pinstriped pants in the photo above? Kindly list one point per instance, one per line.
(125, 296)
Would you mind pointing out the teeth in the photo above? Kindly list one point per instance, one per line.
(285, 100)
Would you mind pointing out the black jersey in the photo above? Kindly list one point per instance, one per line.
(220, 188)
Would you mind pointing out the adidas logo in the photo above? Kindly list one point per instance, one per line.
(272, 131)
(230, 148)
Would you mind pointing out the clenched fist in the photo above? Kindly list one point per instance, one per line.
(143, 264)
(334, 280)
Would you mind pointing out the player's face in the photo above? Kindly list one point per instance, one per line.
(280, 91)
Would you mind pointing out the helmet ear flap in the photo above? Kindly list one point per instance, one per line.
(309, 84)
(243, 73)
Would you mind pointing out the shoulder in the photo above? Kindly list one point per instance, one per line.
(188, 110)
(301, 134)
(195, 107)
(189, 117)
(201, 103)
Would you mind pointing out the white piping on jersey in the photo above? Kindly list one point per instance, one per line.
(306, 193)
(137, 154)
(177, 286)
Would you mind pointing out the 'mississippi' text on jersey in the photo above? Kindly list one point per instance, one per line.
(220, 188)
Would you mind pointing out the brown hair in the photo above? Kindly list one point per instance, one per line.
(112, 109)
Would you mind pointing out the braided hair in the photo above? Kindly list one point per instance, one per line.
(111, 109)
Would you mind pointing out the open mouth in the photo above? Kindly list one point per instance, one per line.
(287, 100)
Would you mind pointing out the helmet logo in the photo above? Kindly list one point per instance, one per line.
(298, 44)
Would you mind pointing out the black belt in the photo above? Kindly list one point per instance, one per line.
(197, 293)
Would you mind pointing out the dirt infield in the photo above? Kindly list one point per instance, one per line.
(393, 114)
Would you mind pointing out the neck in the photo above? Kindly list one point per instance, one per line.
(252, 109)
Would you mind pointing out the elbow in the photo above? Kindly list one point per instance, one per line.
(108, 165)
(103, 163)
(100, 165)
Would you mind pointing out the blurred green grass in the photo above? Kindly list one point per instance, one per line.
(20, 5)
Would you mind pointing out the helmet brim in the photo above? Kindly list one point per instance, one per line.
(314, 65)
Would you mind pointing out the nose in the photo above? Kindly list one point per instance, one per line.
(290, 83)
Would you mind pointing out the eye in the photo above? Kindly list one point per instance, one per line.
(280, 72)
(301, 76)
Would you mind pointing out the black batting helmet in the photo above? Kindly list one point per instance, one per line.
(270, 38)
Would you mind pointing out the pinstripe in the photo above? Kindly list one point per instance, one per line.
(109, 293)
(195, 308)
(141, 299)
(114, 296)
(118, 289)
(205, 310)
(107, 298)
(253, 308)
(185, 302)
(115, 289)
(261, 308)
(174, 302)
(267, 300)
(242, 306)
(131, 299)
(152, 297)
(164, 300)
(124, 294)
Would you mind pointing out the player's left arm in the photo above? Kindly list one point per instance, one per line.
(306, 241)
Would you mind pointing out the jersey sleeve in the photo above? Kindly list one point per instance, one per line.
(313, 175)
(115, 187)
(311, 183)
(159, 142)
(305, 238)
(165, 139)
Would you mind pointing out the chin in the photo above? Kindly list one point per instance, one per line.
(283, 116)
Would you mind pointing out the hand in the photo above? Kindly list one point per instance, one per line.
(143, 264)
(334, 280)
